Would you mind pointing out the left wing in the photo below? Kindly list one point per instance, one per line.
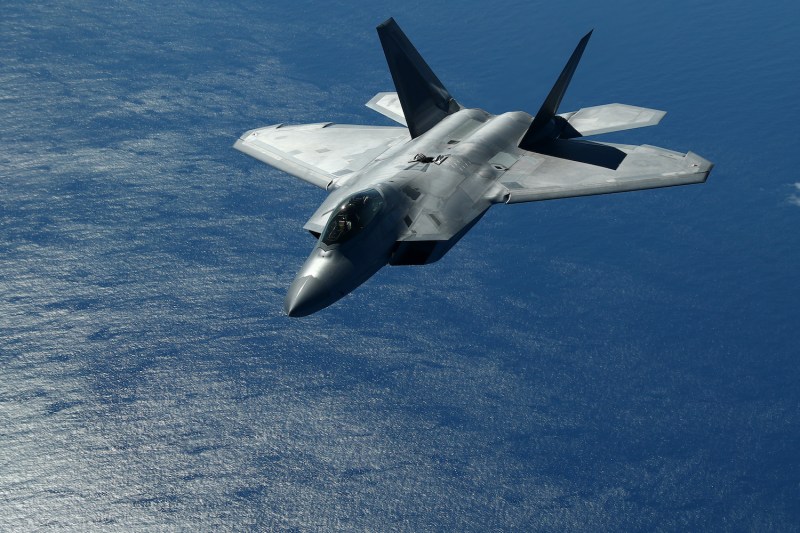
(320, 154)
(542, 177)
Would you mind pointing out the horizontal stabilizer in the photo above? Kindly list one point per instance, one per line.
(611, 117)
(388, 105)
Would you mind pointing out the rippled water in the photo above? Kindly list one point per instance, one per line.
(625, 362)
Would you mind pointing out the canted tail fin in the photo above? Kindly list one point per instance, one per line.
(549, 133)
(424, 99)
(550, 106)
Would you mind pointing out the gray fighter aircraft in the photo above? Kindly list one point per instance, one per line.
(406, 195)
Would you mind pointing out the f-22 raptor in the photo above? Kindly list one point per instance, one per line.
(405, 195)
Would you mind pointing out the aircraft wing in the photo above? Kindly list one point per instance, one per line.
(320, 154)
(541, 177)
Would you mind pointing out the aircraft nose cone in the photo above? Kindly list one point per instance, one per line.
(306, 295)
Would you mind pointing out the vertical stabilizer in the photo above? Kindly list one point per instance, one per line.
(422, 96)
(550, 106)
(550, 134)
(543, 121)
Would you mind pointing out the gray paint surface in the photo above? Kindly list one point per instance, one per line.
(436, 186)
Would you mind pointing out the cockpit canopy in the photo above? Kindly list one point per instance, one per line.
(352, 216)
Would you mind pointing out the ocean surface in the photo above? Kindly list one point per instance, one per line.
(625, 362)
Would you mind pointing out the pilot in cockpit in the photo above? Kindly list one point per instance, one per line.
(352, 217)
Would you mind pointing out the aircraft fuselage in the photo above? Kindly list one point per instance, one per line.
(406, 195)
(449, 169)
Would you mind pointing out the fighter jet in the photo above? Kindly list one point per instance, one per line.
(406, 195)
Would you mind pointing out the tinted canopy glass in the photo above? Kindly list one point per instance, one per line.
(352, 216)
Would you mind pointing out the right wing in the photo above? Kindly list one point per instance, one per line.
(612, 117)
(320, 154)
(536, 177)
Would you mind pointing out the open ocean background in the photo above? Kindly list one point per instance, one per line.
(624, 362)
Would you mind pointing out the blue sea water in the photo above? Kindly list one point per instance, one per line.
(624, 362)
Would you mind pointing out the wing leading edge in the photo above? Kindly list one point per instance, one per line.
(322, 154)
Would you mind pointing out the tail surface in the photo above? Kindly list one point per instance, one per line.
(424, 99)
(549, 108)
(549, 133)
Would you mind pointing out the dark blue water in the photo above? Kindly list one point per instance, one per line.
(625, 362)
